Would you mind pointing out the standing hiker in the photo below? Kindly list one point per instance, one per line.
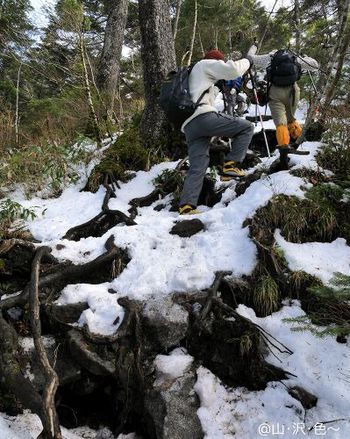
(283, 70)
(207, 122)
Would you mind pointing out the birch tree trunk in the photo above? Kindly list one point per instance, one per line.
(176, 23)
(109, 65)
(297, 24)
(158, 58)
(193, 32)
(88, 90)
(17, 104)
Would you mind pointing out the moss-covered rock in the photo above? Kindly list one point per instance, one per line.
(126, 153)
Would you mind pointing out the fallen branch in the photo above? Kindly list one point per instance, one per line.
(49, 418)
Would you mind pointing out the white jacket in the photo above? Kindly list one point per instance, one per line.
(203, 77)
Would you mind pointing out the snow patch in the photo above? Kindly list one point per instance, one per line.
(104, 314)
(320, 259)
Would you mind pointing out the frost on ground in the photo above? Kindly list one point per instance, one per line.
(162, 264)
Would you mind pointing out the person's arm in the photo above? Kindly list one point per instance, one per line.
(226, 70)
(260, 61)
(307, 63)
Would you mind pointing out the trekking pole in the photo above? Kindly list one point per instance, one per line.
(258, 109)
(313, 83)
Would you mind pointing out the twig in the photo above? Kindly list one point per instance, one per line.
(49, 418)
(212, 293)
(230, 310)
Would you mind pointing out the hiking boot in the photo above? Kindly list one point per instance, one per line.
(230, 171)
(187, 209)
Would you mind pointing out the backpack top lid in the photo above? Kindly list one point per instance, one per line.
(284, 69)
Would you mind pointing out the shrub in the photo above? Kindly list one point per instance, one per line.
(266, 298)
(11, 211)
(326, 306)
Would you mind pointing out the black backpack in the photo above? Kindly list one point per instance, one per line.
(284, 69)
(175, 98)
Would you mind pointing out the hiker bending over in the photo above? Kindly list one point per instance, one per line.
(283, 70)
(230, 93)
(207, 122)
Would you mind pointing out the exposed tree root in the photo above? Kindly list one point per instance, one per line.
(212, 292)
(99, 225)
(49, 418)
(63, 274)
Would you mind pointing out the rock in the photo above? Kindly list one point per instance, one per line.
(306, 399)
(242, 186)
(69, 313)
(165, 323)
(187, 228)
(84, 354)
(258, 144)
(67, 370)
(172, 403)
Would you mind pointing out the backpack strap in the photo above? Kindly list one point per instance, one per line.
(197, 104)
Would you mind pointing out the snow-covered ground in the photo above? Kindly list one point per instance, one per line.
(162, 264)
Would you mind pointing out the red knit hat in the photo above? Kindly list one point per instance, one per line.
(214, 54)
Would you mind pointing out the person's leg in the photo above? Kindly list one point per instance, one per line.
(294, 127)
(198, 133)
(278, 113)
(240, 131)
(198, 153)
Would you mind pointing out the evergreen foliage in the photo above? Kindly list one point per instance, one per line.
(328, 306)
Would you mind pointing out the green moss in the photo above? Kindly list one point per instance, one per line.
(127, 153)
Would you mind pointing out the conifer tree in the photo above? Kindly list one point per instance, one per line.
(158, 58)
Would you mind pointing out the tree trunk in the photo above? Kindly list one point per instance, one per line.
(297, 24)
(332, 85)
(158, 58)
(328, 82)
(176, 23)
(87, 87)
(193, 32)
(109, 65)
(343, 17)
(17, 104)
